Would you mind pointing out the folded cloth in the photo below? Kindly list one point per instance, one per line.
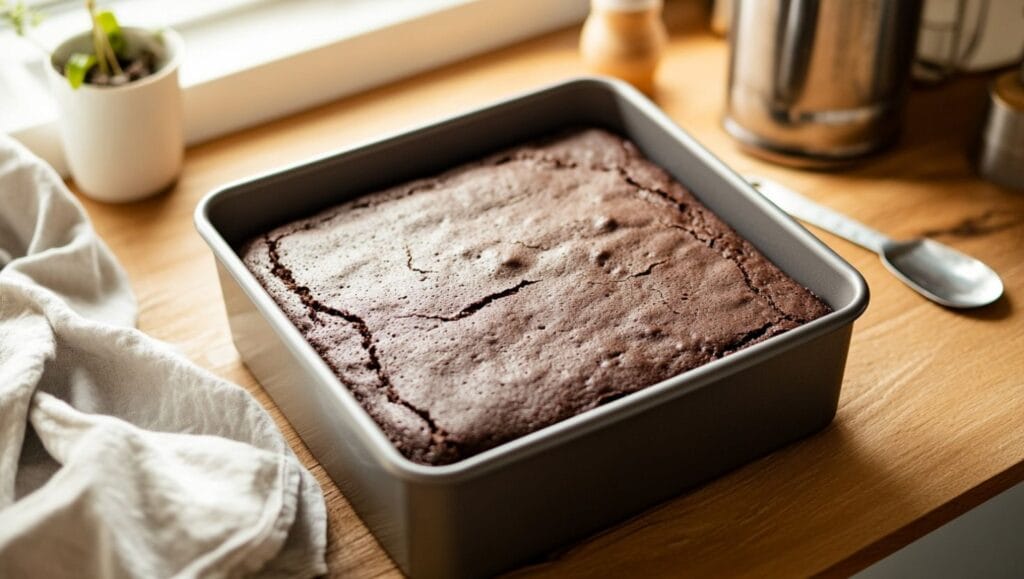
(137, 463)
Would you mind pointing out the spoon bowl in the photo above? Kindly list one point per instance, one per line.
(942, 273)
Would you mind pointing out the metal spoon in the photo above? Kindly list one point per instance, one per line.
(936, 271)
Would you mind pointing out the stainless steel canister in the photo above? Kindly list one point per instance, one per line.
(818, 82)
(1000, 156)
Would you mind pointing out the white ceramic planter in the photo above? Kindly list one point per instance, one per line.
(123, 143)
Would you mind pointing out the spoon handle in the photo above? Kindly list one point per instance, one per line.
(806, 210)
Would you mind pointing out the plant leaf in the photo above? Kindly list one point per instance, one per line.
(19, 16)
(77, 67)
(108, 22)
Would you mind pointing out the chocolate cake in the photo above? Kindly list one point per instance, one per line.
(470, 308)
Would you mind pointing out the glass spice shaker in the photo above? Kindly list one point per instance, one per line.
(624, 39)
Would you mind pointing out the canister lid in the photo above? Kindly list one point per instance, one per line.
(625, 5)
(1009, 88)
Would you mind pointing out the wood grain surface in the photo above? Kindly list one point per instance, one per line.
(931, 418)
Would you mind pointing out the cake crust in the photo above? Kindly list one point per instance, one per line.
(473, 307)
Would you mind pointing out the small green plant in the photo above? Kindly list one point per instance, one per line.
(107, 45)
(108, 42)
(19, 16)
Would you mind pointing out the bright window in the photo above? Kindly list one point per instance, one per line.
(276, 56)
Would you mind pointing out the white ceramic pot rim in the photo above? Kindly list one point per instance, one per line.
(171, 40)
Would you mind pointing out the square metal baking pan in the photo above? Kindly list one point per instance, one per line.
(514, 502)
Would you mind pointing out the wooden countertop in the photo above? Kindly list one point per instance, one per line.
(931, 418)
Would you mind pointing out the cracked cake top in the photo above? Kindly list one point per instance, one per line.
(473, 307)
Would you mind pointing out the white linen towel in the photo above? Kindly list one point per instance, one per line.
(137, 463)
